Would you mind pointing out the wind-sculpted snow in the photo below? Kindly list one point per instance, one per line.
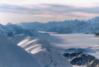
(44, 51)
(13, 56)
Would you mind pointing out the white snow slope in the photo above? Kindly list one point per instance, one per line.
(45, 53)
(42, 50)
(14, 56)
(48, 53)
(39, 53)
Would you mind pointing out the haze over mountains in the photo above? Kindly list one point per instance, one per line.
(67, 26)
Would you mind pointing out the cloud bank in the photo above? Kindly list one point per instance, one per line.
(45, 12)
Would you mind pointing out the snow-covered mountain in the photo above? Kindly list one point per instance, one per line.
(38, 45)
(29, 50)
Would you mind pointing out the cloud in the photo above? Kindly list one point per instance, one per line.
(13, 8)
(69, 9)
(89, 10)
(44, 12)
(47, 8)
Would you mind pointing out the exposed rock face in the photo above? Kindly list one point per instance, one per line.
(79, 57)
(93, 63)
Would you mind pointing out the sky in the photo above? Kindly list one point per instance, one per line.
(17, 11)
(62, 2)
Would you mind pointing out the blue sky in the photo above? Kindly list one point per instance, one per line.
(47, 10)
